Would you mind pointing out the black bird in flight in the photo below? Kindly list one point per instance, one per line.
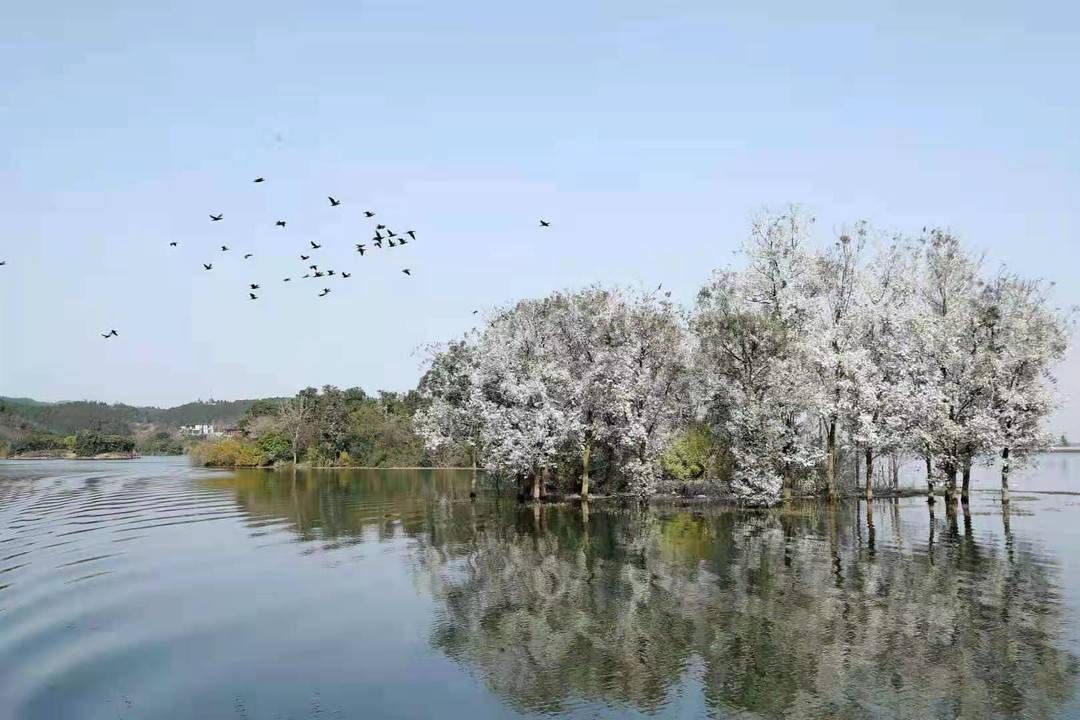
(329, 272)
(545, 223)
(254, 286)
(333, 202)
(392, 244)
(475, 311)
(111, 333)
(391, 233)
(306, 275)
(345, 274)
(319, 274)
(4, 262)
(248, 255)
(224, 248)
(172, 244)
(215, 218)
(402, 241)
(253, 296)
(314, 245)
(208, 267)
(280, 223)
(378, 243)
(360, 248)
(313, 267)
(411, 233)
(378, 236)
(369, 213)
(379, 227)
(259, 179)
(305, 257)
(286, 280)
(325, 292)
(406, 271)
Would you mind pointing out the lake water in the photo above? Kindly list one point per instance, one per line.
(150, 589)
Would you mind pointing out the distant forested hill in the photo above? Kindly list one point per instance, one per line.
(67, 418)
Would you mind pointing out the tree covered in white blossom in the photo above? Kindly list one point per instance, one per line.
(801, 362)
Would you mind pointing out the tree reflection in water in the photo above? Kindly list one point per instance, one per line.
(806, 613)
(809, 613)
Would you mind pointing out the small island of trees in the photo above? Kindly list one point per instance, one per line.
(878, 347)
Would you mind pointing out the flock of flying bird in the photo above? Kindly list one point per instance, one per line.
(383, 234)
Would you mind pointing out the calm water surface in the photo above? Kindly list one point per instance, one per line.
(150, 589)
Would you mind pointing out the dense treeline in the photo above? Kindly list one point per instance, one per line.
(329, 428)
(66, 418)
(30, 426)
(872, 348)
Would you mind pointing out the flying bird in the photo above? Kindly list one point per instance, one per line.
(369, 213)
(333, 202)
(360, 248)
(475, 311)
(325, 292)
(380, 226)
(286, 280)
(208, 267)
(253, 296)
(280, 223)
(248, 255)
(306, 275)
(259, 179)
(402, 241)
(319, 274)
(305, 257)
(545, 223)
(392, 244)
(111, 333)
(346, 275)
(406, 271)
(224, 248)
(215, 218)
(378, 243)
(313, 267)
(172, 244)
(254, 286)
(391, 233)
(4, 262)
(411, 233)
(329, 272)
(314, 245)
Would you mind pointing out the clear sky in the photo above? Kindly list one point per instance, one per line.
(647, 133)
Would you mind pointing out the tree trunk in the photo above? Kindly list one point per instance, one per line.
(536, 486)
(966, 482)
(1005, 470)
(586, 456)
(545, 475)
(929, 479)
(830, 468)
(869, 475)
(950, 483)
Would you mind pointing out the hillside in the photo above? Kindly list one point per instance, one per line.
(22, 415)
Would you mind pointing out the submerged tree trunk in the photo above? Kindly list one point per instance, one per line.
(929, 479)
(950, 483)
(966, 482)
(586, 457)
(1005, 470)
(830, 468)
(869, 475)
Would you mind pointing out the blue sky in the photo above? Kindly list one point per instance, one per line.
(648, 133)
